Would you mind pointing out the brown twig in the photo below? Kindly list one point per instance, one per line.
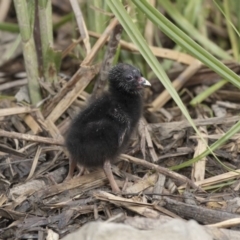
(81, 24)
(100, 42)
(29, 137)
(61, 101)
(16, 110)
(164, 97)
(12, 84)
(4, 8)
(159, 169)
(107, 61)
(198, 213)
(158, 52)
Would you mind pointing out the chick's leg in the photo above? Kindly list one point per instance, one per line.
(108, 171)
(72, 166)
(81, 170)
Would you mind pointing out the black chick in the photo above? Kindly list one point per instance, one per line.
(101, 132)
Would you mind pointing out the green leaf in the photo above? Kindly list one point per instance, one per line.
(187, 43)
(202, 96)
(233, 130)
(188, 27)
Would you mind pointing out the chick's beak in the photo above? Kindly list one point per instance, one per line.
(144, 82)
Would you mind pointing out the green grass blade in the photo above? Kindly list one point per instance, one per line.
(230, 28)
(9, 27)
(190, 29)
(202, 96)
(233, 130)
(187, 43)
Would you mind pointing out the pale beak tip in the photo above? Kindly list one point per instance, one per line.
(145, 82)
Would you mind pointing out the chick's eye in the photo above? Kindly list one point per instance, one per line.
(129, 77)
